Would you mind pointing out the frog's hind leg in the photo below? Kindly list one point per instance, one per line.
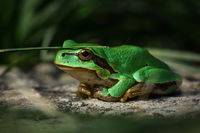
(140, 90)
(153, 80)
(144, 90)
(166, 88)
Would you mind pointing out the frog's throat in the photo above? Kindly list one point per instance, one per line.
(87, 76)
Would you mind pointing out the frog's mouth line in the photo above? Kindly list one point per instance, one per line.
(62, 67)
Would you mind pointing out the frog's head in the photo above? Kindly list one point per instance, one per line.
(80, 56)
(82, 62)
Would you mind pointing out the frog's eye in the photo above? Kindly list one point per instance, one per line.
(85, 55)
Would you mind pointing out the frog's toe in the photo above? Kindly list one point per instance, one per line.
(107, 98)
(84, 91)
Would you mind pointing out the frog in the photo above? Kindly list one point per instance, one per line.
(116, 74)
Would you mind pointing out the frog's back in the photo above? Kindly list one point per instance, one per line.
(128, 59)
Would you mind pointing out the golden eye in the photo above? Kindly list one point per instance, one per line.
(85, 55)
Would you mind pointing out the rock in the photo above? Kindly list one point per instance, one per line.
(48, 89)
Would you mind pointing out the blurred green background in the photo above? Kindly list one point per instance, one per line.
(172, 24)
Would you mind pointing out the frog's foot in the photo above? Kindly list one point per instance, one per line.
(84, 91)
(108, 98)
(140, 90)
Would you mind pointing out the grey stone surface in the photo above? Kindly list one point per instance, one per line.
(46, 88)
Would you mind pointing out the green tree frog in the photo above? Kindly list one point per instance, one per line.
(116, 73)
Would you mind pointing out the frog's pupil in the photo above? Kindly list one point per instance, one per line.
(85, 53)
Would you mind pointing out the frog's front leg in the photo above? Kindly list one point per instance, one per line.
(84, 91)
(114, 93)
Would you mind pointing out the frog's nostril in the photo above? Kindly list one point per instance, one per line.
(63, 54)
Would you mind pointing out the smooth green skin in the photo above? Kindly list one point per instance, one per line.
(131, 64)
